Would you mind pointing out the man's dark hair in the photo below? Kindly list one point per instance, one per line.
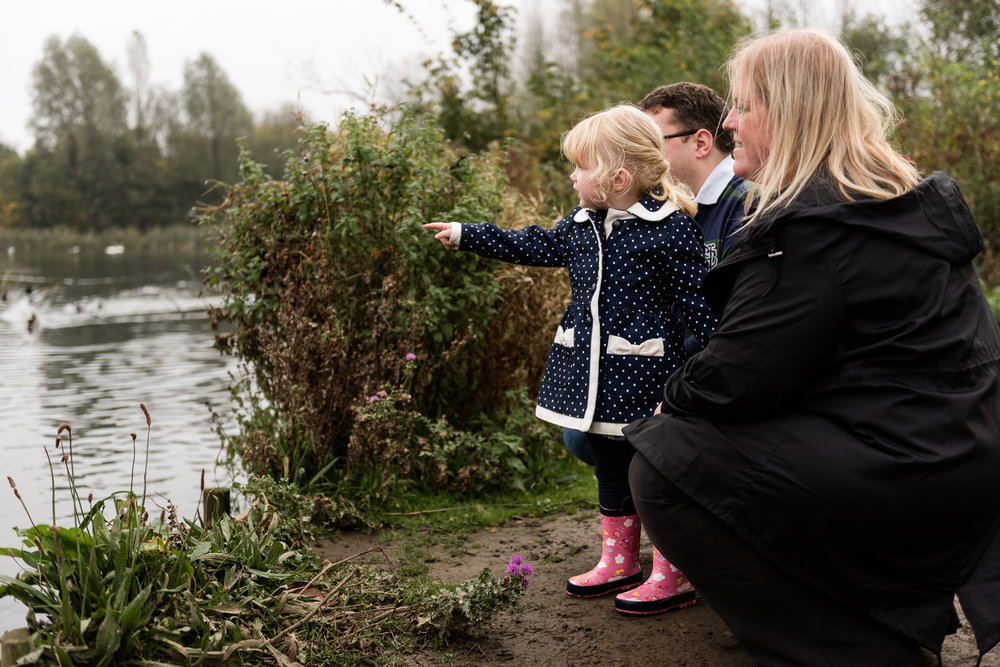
(695, 107)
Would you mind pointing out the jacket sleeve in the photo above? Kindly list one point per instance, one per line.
(686, 270)
(777, 333)
(533, 245)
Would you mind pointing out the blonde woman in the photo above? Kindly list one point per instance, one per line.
(636, 262)
(826, 470)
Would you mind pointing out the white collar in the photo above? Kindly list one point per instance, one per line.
(647, 208)
(716, 182)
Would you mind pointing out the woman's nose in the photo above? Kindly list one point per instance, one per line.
(729, 122)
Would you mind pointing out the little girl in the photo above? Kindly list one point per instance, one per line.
(635, 263)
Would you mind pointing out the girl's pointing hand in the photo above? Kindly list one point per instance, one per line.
(443, 232)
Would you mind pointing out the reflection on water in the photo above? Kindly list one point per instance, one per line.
(84, 339)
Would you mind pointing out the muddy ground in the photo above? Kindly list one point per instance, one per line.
(553, 628)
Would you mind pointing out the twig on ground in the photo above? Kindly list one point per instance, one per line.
(452, 509)
(443, 509)
(326, 598)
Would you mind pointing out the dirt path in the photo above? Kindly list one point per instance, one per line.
(556, 629)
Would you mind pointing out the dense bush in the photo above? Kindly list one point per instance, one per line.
(952, 123)
(340, 301)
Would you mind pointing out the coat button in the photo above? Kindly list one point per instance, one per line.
(616, 224)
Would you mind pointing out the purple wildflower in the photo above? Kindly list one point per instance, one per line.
(518, 568)
(372, 399)
(410, 356)
(382, 394)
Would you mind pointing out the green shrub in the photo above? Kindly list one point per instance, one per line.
(337, 292)
(993, 298)
(118, 587)
(952, 124)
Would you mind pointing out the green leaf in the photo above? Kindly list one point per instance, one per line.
(199, 550)
(108, 640)
(133, 612)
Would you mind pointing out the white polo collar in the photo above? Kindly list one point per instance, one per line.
(716, 182)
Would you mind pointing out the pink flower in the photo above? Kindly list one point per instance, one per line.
(372, 399)
(518, 568)
(382, 394)
(410, 356)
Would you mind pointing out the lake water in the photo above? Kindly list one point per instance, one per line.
(111, 328)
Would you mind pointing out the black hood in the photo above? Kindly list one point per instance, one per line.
(932, 217)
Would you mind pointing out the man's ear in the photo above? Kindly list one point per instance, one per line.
(703, 143)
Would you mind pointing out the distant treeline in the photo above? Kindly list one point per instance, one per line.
(110, 154)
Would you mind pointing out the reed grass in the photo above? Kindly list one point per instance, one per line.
(119, 588)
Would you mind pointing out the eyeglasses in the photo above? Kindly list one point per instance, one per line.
(679, 134)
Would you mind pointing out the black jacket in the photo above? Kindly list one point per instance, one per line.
(845, 417)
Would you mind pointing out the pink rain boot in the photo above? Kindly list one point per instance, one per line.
(667, 588)
(619, 568)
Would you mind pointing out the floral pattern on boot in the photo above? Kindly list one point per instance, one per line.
(667, 588)
(619, 567)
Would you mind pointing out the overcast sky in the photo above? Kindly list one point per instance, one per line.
(275, 53)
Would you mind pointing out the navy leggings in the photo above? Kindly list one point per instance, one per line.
(611, 463)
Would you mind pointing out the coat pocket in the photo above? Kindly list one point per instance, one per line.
(652, 347)
(564, 337)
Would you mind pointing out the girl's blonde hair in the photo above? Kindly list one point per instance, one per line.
(824, 116)
(625, 138)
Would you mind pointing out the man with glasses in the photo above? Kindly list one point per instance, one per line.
(690, 116)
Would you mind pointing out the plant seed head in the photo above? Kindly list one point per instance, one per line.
(133, 437)
(145, 412)
(10, 480)
(64, 427)
(65, 458)
(58, 441)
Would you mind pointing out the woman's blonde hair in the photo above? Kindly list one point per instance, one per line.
(623, 137)
(824, 116)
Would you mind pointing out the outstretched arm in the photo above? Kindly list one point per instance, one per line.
(530, 246)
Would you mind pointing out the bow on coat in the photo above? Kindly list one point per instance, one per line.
(649, 348)
(564, 337)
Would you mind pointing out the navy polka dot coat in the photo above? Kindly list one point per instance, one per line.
(633, 294)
